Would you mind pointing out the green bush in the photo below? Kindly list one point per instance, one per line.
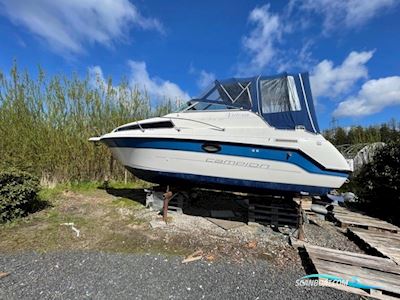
(18, 194)
(378, 183)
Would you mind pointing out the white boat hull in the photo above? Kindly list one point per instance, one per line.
(216, 170)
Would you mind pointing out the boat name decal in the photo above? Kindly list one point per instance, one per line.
(237, 163)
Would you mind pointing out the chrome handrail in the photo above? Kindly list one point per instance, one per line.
(201, 122)
(122, 126)
(140, 126)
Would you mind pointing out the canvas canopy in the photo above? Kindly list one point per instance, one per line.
(284, 100)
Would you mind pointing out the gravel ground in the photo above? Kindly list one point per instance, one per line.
(97, 275)
(325, 234)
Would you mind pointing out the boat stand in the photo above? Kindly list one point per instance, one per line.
(277, 211)
(168, 195)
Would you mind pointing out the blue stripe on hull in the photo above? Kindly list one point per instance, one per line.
(188, 180)
(241, 150)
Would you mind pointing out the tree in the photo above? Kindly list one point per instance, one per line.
(341, 136)
(378, 183)
(372, 134)
(385, 133)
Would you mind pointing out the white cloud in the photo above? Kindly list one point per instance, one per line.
(267, 47)
(337, 14)
(205, 79)
(67, 25)
(296, 59)
(373, 96)
(260, 43)
(331, 81)
(156, 88)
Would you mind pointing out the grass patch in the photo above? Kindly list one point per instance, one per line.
(88, 187)
(107, 222)
(49, 194)
(138, 184)
(127, 203)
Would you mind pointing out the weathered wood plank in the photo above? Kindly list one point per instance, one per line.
(361, 219)
(371, 293)
(317, 249)
(350, 218)
(370, 270)
(366, 223)
(386, 244)
(360, 262)
(279, 214)
(387, 281)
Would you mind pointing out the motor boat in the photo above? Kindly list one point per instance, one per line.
(257, 135)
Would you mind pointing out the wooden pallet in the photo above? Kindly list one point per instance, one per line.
(384, 242)
(370, 270)
(347, 218)
(177, 203)
(304, 202)
(278, 212)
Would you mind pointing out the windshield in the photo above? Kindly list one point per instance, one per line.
(203, 106)
(222, 96)
(236, 93)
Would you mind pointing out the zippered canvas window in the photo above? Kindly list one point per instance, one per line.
(279, 95)
(237, 94)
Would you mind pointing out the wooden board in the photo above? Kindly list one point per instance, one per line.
(278, 212)
(370, 270)
(386, 243)
(347, 218)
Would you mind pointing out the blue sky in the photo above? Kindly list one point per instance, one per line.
(174, 48)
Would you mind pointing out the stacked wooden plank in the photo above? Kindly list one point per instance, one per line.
(384, 242)
(274, 211)
(370, 270)
(304, 202)
(347, 218)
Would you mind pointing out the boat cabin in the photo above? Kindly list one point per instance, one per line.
(284, 101)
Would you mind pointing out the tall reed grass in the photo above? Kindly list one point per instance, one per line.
(45, 123)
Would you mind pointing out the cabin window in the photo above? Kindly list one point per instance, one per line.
(154, 125)
(279, 95)
(237, 93)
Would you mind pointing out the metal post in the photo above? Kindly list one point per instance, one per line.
(111, 167)
(301, 223)
(167, 196)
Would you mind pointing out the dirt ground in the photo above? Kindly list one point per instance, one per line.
(85, 233)
(115, 220)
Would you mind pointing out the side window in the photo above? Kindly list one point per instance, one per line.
(293, 96)
(236, 94)
(279, 95)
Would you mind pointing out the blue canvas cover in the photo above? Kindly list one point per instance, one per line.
(284, 101)
(295, 105)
